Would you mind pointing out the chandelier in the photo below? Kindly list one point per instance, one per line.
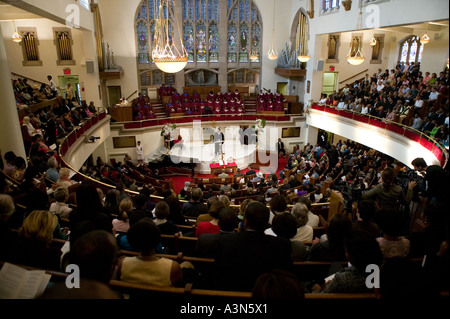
(254, 56)
(16, 36)
(273, 54)
(165, 54)
(355, 55)
(373, 42)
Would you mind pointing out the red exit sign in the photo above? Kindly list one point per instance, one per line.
(67, 71)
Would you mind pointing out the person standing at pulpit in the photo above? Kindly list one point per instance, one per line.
(139, 153)
(241, 135)
(218, 141)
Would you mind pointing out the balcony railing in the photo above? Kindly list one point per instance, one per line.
(204, 118)
(426, 141)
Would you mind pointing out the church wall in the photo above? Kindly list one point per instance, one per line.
(60, 11)
(392, 13)
(118, 20)
(83, 49)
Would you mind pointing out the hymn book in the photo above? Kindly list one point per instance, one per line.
(19, 283)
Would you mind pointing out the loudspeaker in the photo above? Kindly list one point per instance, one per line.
(320, 64)
(90, 66)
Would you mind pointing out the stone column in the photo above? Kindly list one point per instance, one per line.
(10, 132)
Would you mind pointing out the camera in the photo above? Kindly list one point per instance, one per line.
(92, 139)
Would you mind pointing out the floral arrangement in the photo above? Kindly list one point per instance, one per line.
(167, 129)
(259, 125)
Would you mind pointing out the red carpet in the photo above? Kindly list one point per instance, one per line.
(178, 181)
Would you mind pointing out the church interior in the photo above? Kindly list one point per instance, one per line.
(161, 147)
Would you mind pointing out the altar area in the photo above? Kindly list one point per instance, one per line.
(197, 146)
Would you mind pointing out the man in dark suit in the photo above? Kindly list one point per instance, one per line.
(238, 173)
(427, 125)
(218, 142)
(250, 171)
(241, 257)
(280, 148)
(207, 243)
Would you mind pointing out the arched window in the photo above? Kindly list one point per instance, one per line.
(244, 31)
(411, 50)
(201, 30)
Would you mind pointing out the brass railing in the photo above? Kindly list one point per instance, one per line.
(403, 129)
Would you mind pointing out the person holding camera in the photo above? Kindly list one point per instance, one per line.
(387, 194)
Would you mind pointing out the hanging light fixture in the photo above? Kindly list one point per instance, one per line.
(165, 54)
(273, 54)
(373, 42)
(302, 56)
(425, 39)
(16, 36)
(253, 57)
(355, 55)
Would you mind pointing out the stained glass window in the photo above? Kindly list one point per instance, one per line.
(256, 38)
(157, 77)
(245, 28)
(169, 79)
(243, 43)
(420, 53)
(239, 76)
(411, 50)
(404, 54)
(145, 79)
(213, 42)
(232, 42)
(142, 40)
(188, 39)
(202, 40)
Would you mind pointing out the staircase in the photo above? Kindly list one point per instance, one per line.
(250, 106)
(158, 109)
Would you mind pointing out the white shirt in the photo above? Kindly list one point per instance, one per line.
(313, 220)
(61, 209)
(364, 110)
(53, 85)
(304, 233)
(418, 103)
(433, 96)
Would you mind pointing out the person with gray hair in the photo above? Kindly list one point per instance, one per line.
(52, 173)
(304, 231)
(60, 208)
(64, 178)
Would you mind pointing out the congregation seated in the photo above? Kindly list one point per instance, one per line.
(308, 166)
(398, 95)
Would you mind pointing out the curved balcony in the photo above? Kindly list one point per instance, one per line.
(277, 117)
(397, 140)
